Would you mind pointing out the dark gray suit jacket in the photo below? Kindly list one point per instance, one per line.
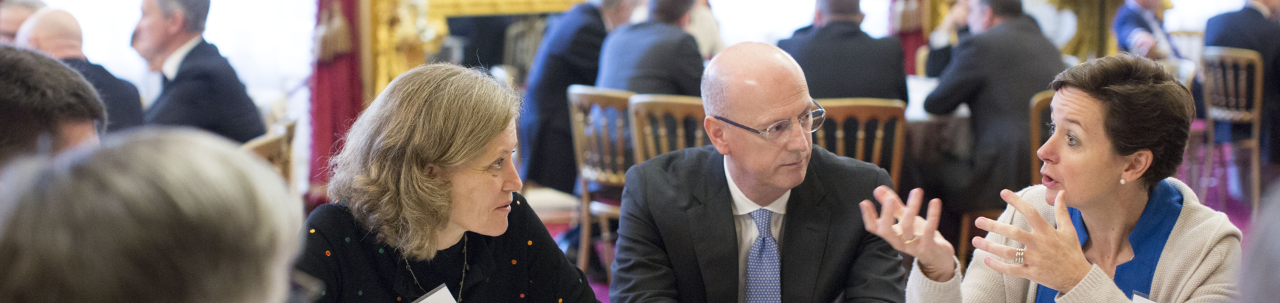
(570, 54)
(996, 73)
(841, 61)
(677, 241)
(651, 58)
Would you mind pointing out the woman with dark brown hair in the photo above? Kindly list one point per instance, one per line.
(1107, 224)
(427, 203)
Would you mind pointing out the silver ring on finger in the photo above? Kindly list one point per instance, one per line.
(1017, 255)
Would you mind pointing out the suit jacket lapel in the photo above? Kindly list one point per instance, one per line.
(804, 240)
(714, 235)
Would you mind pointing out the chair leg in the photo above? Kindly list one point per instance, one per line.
(584, 228)
(1206, 170)
(1257, 176)
(606, 252)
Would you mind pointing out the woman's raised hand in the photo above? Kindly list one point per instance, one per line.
(1052, 256)
(907, 232)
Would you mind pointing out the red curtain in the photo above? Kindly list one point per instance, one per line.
(336, 101)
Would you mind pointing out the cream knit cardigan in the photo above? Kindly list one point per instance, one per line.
(1199, 263)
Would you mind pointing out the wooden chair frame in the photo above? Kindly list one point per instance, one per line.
(1039, 103)
(643, 133)
(600, 159)
(1226, 99)
(864, 110)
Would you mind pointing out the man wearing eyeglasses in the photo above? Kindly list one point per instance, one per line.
(762, 215)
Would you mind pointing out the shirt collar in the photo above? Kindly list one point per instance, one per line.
(171, 64)
(1266, 12)
(742, 205)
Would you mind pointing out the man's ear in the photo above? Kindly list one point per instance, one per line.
(178, 22)
(685, 20)
(715, 132)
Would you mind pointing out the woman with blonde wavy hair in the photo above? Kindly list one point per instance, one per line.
(426, 202)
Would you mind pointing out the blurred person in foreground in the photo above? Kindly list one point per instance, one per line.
(200, 89)
(45, 106)
(761, 215)
(150, 216)
(427, 169)
(57, 33)
(1260, 281)
(1108, 224)
(570, 54)
(995, 71)
(12, 14)
(842, 61)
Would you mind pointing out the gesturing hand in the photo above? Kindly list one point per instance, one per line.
(909, 233)
(1052, 257)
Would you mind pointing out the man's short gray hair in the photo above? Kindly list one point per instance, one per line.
(33, 5)
(151, 216)
(196, 12)
(713, 95)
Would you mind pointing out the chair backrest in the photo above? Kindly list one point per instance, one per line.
(1232, 85)
(665, 123)
(883, 116)
(273, 147)
(1039, 129)
(600, 133)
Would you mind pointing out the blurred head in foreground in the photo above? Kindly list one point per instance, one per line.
(151, 216)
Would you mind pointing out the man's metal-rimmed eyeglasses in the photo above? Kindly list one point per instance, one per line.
(779, 131)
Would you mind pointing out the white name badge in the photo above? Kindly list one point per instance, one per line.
(1139, 297)
(439, 295)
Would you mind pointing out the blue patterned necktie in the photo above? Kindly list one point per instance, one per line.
(764, 282)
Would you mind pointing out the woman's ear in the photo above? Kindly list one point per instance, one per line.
(1136, 165)
(432, 171)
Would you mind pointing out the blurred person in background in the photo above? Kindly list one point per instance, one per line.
(653, 57)
(842, 61)
(426, 169)
(705, 29)
(1260, 281)
(570, 54)
(13, 13)
(1139, 31)
(56, 33)
(995, 71)
(45, 106)
(200, 89)
(1253, 27)
(150, 216)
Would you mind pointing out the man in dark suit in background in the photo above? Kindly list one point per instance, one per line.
(1254, 27)
(655, 56)
(996, 71)
(1140, 32)
(56, 33)
(570, 54)
(706, 224)
(842, 61)
(200, 87)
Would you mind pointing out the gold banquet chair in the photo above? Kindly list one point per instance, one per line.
(274, 148)
(652, 135)
(1039, 131)
(601, 145)
(1233, 94)
(861, 115)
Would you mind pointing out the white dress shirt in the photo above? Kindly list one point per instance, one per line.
(171, 64)
(746, 226)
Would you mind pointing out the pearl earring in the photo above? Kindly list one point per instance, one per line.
(1121, 181)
